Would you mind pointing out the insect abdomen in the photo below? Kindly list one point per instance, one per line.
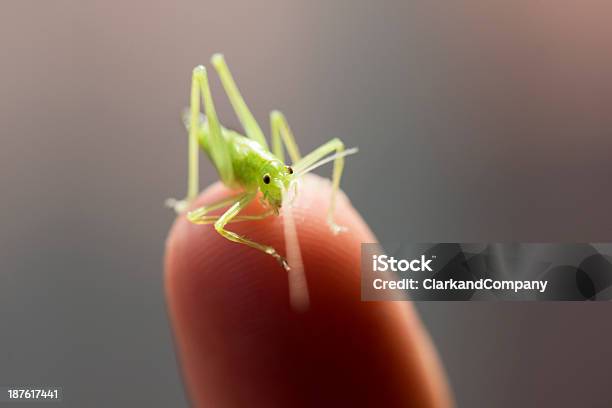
(247, 157)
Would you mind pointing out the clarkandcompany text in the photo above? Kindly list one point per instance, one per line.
(452, 284)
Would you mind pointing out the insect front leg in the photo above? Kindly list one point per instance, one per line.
(281, 132)
(333, 145)
(211, 219)
(196, 215)
(229, 215)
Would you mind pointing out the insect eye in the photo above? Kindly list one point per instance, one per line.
(266, 178)
(289, 170)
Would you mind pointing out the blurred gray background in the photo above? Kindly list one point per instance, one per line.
(477, 121)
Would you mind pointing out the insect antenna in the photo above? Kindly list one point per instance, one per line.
(326, 160)
(298, 287)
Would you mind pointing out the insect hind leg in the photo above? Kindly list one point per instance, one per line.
(245, 116)
(333, 145)
(281, 133)
(192, 121)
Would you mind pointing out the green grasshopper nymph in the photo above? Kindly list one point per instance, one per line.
(245, 163)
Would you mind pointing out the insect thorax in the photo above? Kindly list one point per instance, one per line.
(250, 161)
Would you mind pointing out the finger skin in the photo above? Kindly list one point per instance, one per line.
(241, 345)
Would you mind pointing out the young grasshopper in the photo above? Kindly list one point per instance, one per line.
(246, 163)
